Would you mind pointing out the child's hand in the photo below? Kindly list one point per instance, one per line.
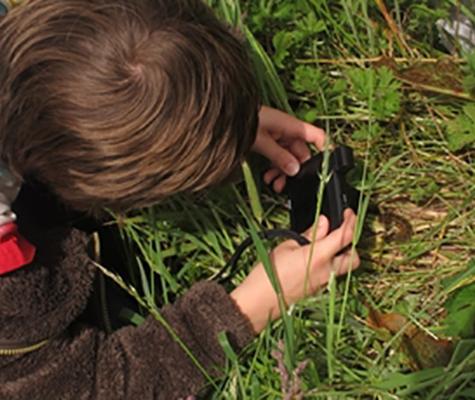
(283, 140)
(257, 299)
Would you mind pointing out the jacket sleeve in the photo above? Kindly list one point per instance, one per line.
(146, 362)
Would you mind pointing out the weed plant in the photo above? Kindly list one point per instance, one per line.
(376, 76)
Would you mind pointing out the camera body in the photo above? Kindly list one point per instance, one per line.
(338, 195)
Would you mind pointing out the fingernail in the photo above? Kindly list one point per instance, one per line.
(292, 168)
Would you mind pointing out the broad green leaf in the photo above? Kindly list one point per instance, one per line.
(307, 79)
(366, 132)
(461, 130)
(398, 380)
(282, 42)
(460, 320)
(378, 87)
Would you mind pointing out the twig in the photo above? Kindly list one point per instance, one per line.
(408, 142)
(378, 59)
(393, 26)
(438, 90)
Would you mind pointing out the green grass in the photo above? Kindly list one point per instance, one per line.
(380, 88)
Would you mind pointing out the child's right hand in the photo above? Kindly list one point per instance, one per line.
(256, 297)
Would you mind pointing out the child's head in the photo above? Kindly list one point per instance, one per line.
(120, 103)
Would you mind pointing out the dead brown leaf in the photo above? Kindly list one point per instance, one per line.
(422, 349)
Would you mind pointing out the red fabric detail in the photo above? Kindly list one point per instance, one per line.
(15, 250)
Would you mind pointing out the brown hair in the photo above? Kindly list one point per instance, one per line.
(119, 103)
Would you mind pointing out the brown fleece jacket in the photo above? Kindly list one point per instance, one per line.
(42, 300)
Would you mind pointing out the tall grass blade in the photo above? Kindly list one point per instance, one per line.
(252, 191)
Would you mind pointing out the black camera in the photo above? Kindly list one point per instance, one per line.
(338, 195)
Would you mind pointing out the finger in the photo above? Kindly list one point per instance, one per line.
(270, 175)
(275, 120)
(350, 260)
(279, 184)
(337, 240)
(300, 150)
(322, 227)
(278, 155)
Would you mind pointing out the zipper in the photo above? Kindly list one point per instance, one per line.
(23, 350)
(96, 256)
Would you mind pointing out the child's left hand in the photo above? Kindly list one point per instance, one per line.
(283, 140)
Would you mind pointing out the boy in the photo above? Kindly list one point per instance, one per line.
(118, 104)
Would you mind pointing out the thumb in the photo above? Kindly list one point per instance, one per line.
(322, 227)
(341, 237)
(330, 245)
(278, 155)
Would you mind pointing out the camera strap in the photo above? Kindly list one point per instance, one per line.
(267, 235)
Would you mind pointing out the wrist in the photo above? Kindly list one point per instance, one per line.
(258, 304)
